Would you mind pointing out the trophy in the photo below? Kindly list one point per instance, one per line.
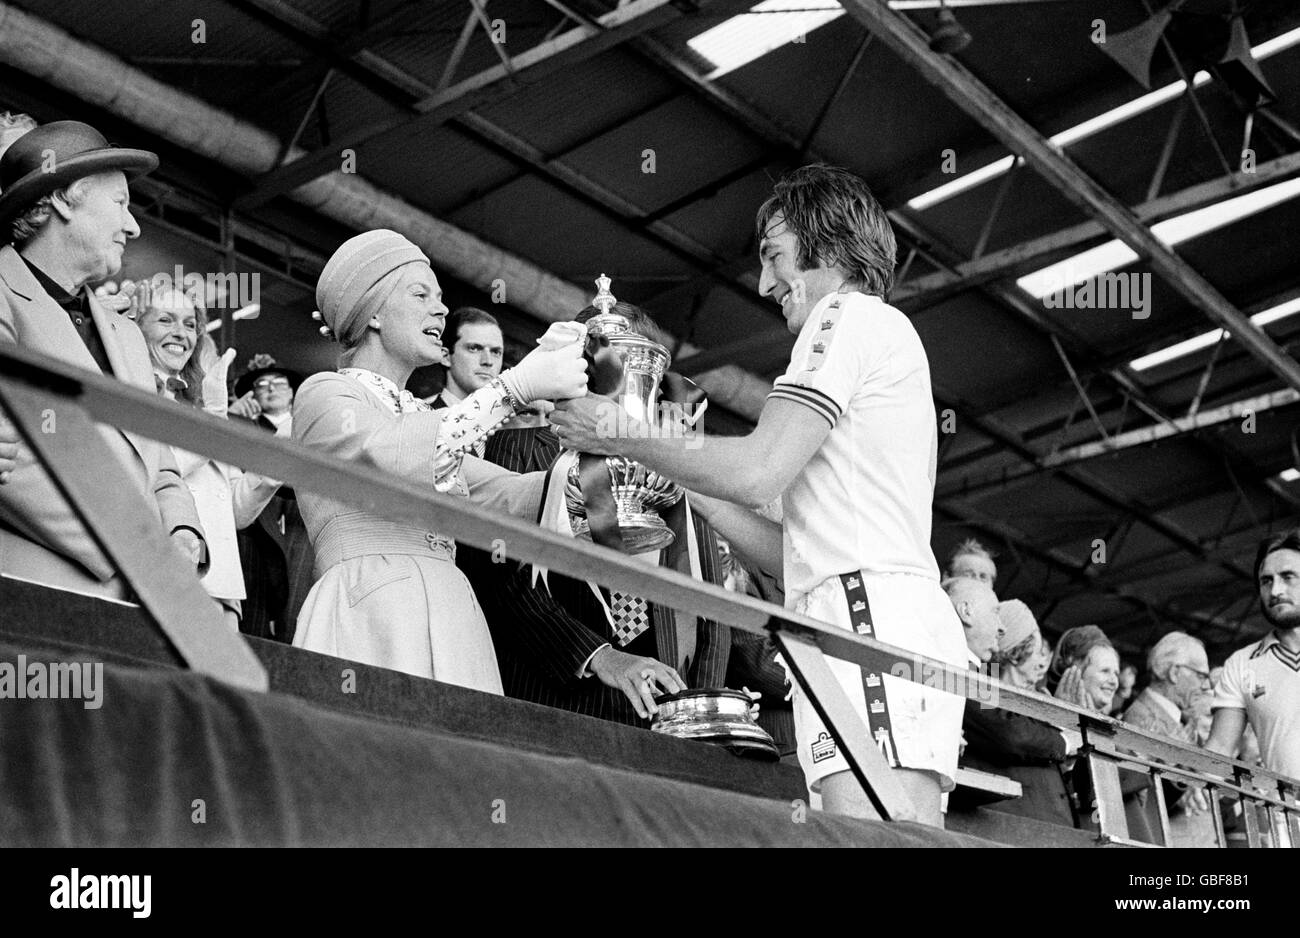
(715, 715)
(627, 367)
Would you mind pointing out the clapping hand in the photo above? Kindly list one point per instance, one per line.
(118, 297)
(8, 448)
(215, 369)
(1071, 689)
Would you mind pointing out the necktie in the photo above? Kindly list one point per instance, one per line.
(631, 616)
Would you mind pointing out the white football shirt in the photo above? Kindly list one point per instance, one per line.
(1264, 680)
(863, 501)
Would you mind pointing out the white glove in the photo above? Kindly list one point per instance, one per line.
(215, 395)
(560, 334)
(549, 374)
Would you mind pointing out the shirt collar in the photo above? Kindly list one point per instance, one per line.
(51, 286)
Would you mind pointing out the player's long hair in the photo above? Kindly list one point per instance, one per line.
(837, 222)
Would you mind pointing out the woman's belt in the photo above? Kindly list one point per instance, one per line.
(337, 543)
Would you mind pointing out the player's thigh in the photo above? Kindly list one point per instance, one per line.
(842, 794)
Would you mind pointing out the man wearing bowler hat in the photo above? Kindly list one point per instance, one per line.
(64, 223)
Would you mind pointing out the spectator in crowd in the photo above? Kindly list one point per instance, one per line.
(1179, 674)
(1088, 669)
(274, 549)
(998, 741)
(64, 223)
(1019, 655)
(474, 354)
(1124, 693)
(972, 559)
(226, 497)
(977, 608)
(556, 643)
(1071, 649)
(1261, 682)
(388, 592)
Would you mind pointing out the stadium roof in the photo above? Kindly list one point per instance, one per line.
(1129, 495)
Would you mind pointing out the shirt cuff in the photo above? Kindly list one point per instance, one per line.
(585, 671)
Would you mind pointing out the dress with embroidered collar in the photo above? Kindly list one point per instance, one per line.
(463, 424)
(398, 401)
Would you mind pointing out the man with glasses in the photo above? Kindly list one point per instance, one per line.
(1180, 678)
(1180, 673)
(265, 395)
(274, 549)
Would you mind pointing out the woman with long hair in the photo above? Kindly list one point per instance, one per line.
(189, 371)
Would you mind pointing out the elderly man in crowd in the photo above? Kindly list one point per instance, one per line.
(64, 223)
(1001, 742)
(1261, 682)
(1179, 672)
(977, 607)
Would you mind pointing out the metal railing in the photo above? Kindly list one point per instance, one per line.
(55, 407)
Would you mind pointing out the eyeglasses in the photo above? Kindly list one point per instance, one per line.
(1203, 675)
(267, 384)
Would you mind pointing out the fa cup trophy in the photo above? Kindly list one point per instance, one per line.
(611, 496)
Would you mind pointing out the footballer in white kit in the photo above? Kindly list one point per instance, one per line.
(862, 506)
(847, 440)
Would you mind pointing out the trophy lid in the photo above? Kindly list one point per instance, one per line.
(606, 322)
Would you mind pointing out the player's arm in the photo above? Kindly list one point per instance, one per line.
(754, 537)
(749, 470)
(1225, 732)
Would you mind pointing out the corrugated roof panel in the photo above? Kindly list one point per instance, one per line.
(582, 100)
(667, 153)
(561, 234)
(438, 170)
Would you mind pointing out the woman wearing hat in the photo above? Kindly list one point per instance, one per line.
(1029, 751)
(189, 371)
(1019, 657)
(65, 221)
(389, 593)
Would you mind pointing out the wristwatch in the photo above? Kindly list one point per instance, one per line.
(508, 395)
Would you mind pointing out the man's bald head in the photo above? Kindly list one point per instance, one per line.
(977, 607)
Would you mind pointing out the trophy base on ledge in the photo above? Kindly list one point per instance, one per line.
(642, 531)
(717, 716)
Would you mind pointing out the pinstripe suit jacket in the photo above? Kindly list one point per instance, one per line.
(542, 637)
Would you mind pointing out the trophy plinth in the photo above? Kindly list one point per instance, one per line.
(715, 715)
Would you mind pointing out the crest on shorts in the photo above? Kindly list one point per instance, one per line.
(823, 748)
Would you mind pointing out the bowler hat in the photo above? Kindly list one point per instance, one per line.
(54, 155)
(247, 379)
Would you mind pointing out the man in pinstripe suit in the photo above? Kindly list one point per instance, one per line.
(554, 643)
